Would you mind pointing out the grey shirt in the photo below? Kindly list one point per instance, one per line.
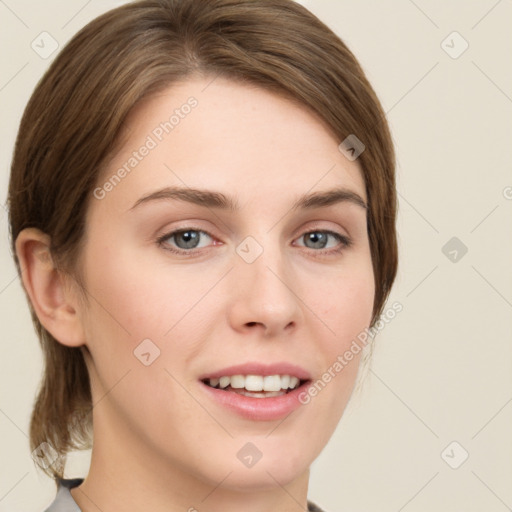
(64, 502)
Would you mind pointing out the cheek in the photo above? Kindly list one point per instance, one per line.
(353, 310)
(134, 299)
(343, 301)
(140, 309)
(344, 305)
(132, 311)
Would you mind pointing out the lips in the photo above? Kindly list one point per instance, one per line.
(257, 391)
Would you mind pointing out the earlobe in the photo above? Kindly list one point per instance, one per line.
(54, 302)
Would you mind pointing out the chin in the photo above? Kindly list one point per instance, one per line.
(265, 477)
(262, 463)
(252, 463)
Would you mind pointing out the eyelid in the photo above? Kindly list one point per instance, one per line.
(344, 241)
(320, 225)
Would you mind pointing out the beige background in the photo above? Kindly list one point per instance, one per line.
(442, 370)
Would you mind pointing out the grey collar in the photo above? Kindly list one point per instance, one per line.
(64, 502)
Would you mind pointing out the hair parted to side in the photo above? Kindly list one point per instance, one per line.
(71, 127)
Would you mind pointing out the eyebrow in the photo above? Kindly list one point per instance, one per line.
(218, 200)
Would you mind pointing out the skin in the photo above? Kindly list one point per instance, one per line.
(159, 442)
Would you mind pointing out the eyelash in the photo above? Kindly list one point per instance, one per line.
(345, 242)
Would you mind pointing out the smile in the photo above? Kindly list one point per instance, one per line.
(256, 386)
(257, 391)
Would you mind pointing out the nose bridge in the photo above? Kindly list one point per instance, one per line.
(262, 261)
(264, 285)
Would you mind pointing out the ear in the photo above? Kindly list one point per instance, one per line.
(55, 302)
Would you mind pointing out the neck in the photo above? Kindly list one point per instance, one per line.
(128, 473)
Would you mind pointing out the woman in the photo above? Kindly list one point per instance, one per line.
(202, 207)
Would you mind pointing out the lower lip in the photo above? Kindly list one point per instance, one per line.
(257, 409)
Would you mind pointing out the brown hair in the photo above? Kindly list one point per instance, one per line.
(71, 127)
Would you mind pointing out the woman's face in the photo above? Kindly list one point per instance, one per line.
(249, 280)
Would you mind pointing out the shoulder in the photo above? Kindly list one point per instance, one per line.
(63, 501)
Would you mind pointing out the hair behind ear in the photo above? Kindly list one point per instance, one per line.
(63, 420)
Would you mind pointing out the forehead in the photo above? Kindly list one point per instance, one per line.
(224, 135)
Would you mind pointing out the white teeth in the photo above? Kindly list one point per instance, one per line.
(264, 394)
(271, 383)
(223, 382)
(293, 382)
(237, 381)
(253, 383)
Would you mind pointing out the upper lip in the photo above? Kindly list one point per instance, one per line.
(256, 368)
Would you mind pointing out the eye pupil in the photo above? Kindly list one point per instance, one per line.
(317, 237)
(190, 237)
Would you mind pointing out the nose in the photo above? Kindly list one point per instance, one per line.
(264, 296)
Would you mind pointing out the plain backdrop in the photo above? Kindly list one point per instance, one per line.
(432, 427)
